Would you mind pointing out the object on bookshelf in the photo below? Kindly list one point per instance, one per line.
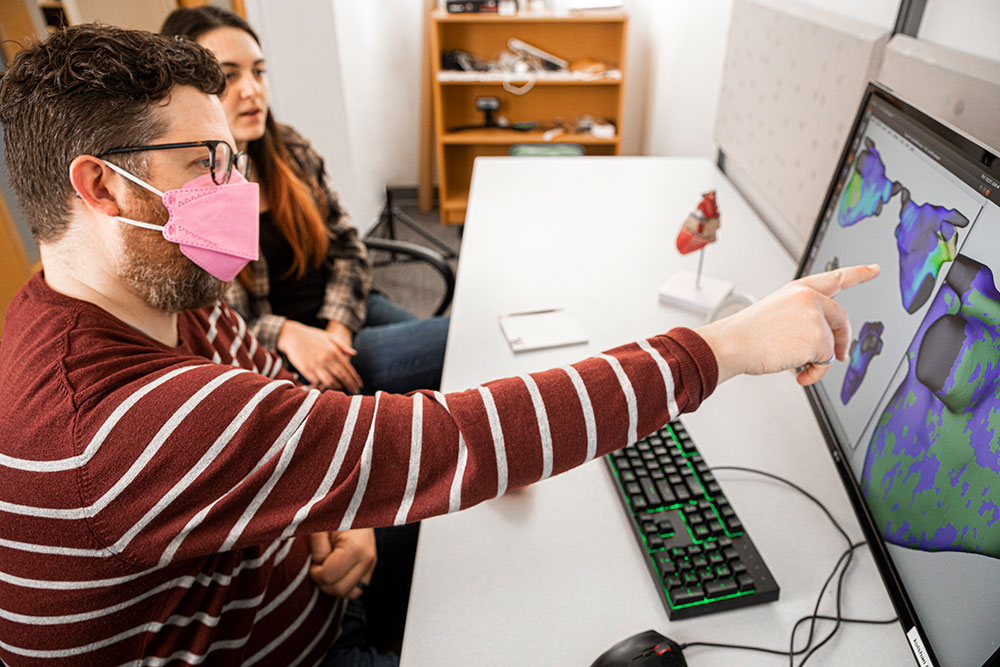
(563, 81)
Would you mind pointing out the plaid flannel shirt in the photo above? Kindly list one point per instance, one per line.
(347, 260)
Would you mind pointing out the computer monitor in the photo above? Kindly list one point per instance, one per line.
(913, 418)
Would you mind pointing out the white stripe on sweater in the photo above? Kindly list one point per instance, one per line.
(292, 427)
(542, 417)
(95, 443)
(366, 465)
(626, 385)
(156, 626)
(455, 493)
(588, 410)
(413, 471)
(668, 377)
(137, 466)
(334, 468)
(498, 445)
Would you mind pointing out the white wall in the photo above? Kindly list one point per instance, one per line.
(972, 26)
(347, 74)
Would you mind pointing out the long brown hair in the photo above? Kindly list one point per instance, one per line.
(298, 205)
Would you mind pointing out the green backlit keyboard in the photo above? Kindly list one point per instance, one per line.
(696, 548)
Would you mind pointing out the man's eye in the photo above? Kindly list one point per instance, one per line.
(259, 72)
(205, 164)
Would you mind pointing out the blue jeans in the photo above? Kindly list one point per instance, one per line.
(398, 352)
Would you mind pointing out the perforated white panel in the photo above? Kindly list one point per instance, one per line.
(952, 86)
(792, 81)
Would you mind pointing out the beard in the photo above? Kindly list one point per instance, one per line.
(156, 269)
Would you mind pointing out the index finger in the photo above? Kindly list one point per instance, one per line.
(831, 282)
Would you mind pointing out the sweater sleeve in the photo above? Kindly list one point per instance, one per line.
(203, 459)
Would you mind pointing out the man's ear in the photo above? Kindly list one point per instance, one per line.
(96, 184)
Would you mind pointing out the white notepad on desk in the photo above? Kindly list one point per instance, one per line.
(539, 329)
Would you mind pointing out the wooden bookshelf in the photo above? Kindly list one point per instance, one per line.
(596, 35)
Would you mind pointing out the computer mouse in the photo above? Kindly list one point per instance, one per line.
(646, 649)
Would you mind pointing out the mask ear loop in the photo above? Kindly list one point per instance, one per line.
(138, 181)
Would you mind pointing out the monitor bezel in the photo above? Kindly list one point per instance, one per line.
(986, 159)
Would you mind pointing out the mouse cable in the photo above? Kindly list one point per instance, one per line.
(808, 649)
(836, 524)
(792, 652)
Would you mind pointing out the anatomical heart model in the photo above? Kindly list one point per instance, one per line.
(700, 227)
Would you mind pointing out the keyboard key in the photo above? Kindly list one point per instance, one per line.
(694, 519)
(638, 503)
(659, 450)
(650, 528)
(745, 582)
(705, 476)
(716, 528)
(690, 578)
(715, 558)
(672, 582)
(649, 488)
(655, 542)
(641, 472)
(711, 546)
(730, 553)
(682, 493)
(738, 567)
(666, 493)
(670, 470)
(712, 487)
(734, 525)
(725, 542)
(628, 476)
(707, 515)
(723, 571)
(716, 589)
(699, 562)
(633, 488)
(693, 486)
(664, 564)
(706, 575)
(682, 596)
(657, 474)
(642, 446)
(727, 512)
(701, 532)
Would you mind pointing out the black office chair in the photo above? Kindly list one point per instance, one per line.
(404, 252)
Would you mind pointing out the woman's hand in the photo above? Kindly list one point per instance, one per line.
(797, 326)
(320, 356)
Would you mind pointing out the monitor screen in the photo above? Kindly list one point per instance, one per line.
(913, 416)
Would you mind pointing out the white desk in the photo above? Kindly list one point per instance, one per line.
(552, 575)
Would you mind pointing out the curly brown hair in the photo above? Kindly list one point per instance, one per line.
(84, 91)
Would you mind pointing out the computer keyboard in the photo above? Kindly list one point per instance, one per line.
(696, 548)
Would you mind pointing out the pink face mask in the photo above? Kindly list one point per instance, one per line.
(216, 226)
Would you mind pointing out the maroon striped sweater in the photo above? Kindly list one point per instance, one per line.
(154, 501)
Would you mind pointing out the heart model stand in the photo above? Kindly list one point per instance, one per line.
(694, 291)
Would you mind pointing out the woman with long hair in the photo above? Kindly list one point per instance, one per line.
(309, 295)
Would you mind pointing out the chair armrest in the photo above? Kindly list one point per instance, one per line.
(421, 253)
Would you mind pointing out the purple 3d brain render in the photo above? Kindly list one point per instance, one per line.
(926, 239)
(868, 188)
(863, 350)
(932, 470)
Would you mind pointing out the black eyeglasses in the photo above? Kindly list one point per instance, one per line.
(222, 157)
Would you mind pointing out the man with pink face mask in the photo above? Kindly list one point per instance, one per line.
(161, 475)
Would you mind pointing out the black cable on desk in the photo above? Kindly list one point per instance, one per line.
(845, 558)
